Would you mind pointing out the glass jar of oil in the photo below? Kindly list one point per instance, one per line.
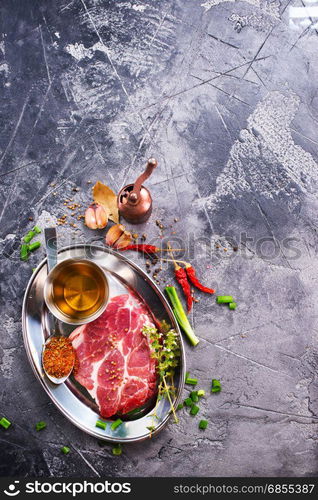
(76, 291)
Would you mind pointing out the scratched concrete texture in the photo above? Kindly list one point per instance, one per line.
(224, 94)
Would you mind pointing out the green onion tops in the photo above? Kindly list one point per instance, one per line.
(116, 424)
(194, 410)
(40, 426)
(30, 235)
(203, 424)
(194, 396)
(26, 246)
(180, 315)
(188, 402)
(216, 385)
(191, 381)
(5, 423)
(101, 424)
(117, 449)
(224, 299)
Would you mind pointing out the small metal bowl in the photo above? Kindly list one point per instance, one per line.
(49, 298)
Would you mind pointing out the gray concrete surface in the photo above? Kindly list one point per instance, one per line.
(224, 94)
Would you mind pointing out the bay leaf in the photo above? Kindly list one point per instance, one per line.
(106, 197)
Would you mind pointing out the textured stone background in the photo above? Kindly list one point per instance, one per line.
(224, 94)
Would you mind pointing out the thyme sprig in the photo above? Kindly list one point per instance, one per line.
(165, 349)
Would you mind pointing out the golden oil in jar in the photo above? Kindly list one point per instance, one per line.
(78, 290)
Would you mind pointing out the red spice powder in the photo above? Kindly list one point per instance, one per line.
(58, 357)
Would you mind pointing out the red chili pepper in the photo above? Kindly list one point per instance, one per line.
(181, 277)
(142, 248)
(190, 272)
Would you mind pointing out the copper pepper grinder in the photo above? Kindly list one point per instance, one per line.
(134, 200)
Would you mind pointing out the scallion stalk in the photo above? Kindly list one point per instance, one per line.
(116, 424)
(224, 299)
(5, 423)
(191, 381)
(194, 410)
(30, 235)
(180, 314)
(65, 450)
(216, 385)
(194, 396)
(188, 402)
(117, 449)
(40, 425)
(101, 424)
(203, 424)
(24, 251)
(34, 246)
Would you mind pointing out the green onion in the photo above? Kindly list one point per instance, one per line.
(224, 299)
(191, 381)
(34, 246)
(232, 305)
(201, 393)
(180, 314)
(203, 424)
(216, 385)
(131, 413)
(30, 235)
(116, 424)
(194, 409)
(101, 424)
(180, 406)
(151, 428)
(188, 402)
(65, 450)
(24, 252)
(186, 376)
(194, 396)
(5, 423)
(117, 449)
(40, 425)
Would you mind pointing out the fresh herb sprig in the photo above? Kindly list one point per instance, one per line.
(165, 349)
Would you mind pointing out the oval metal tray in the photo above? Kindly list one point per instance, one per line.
(71, 398)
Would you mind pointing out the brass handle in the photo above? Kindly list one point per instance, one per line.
(135, 193)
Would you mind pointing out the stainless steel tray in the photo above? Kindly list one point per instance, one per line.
(71, 398)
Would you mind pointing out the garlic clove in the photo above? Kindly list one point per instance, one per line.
(124, 240)
(113, 234)
(96, 217)
(101, 216)
(90, 218)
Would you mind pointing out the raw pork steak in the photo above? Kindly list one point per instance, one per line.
(114, 358)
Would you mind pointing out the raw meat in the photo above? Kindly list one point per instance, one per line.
(114, 357)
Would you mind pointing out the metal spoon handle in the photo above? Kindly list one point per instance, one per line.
(51, 253)
(51, 247)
